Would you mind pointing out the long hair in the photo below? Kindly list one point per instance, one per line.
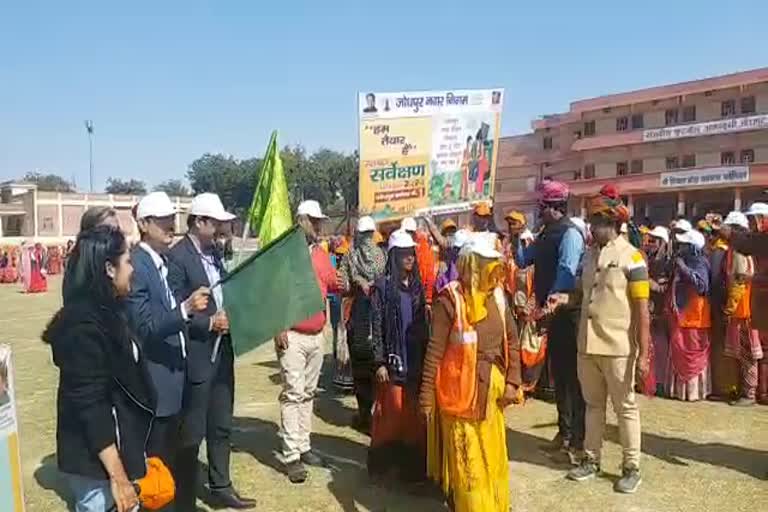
(88, 264)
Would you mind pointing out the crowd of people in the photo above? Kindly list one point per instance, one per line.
(593, 307)
(31, 264)
(436, 331)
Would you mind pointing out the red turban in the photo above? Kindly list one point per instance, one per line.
(552, 191)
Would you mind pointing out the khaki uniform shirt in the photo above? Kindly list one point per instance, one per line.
(612, 277)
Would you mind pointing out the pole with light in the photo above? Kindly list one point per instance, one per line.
(89, 129)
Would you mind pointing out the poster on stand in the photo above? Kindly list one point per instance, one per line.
(427, 152)
(11, 494)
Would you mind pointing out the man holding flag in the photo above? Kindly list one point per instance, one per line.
(210, 383)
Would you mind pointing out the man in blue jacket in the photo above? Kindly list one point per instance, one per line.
(159, 321)
(557, 254)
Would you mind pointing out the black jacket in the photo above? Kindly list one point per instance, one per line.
(104, 395)
(185, 275)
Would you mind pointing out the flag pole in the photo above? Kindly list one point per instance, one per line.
(247, 225)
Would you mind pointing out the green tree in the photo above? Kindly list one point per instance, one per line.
(130, 187)
(173, 188)
(233, 180)
(49, 182)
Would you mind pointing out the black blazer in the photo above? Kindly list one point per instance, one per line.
(105, 395)
(186, 274)
(158, 326)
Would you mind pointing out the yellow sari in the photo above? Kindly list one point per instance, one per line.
(469, 458)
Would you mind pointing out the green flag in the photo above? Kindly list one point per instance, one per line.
(270, 213)
(271, 291)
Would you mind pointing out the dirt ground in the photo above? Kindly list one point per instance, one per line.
(696, 457)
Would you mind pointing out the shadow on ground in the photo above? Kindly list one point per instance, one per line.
(675, 451)
(349, 483)
(48, 477)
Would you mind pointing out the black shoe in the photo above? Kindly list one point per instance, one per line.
(229, 498)
(297, 473)
(310, 458)
(586, 471)
(629, 482)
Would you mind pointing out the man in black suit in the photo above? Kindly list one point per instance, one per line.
(209, 390)
(159, 321)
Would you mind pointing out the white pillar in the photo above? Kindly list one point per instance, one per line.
(680, 203)
(737, 199)
(631, 206)
(583, 208)
(61, 216)
(34, 214)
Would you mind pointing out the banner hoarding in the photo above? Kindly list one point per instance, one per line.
(433, 151)
(11, 495)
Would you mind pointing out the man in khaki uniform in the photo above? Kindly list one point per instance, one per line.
(614, 334)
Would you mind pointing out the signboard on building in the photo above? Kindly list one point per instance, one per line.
(739, 124)
(708, 177)
(431, 151)
(11, 495)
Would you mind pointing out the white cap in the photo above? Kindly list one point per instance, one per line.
(209, 205)
(660, 232)
(461, 238)
(737, 219)
(408, 224)
(484, 244)
(579, 223)
(528, 234)
(758, 209)
(401, 240)
(311, 209)
(682, 225)
(692, 237)
(156, 204)
(366, 224)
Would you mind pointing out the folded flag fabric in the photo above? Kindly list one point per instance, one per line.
(271, 291)
(270, 213)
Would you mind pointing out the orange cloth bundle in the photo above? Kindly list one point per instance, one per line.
(157, 488)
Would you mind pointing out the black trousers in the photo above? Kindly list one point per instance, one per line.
(563, 358)
(207, 414)
(164, 440)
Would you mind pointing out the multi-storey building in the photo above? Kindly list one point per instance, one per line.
(681, 149)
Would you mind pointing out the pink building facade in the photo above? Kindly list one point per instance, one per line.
(680, 149)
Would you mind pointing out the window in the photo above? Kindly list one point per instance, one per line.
(748, 105)
(622, 124)
(689, 114)
(670, 116)
(621, 169)
(728, 108)
(576, 175)
(747, 156)
(673, 162)
(547, 142)
(689, 160)
(577, 135)
(589, 171)
(637, 121)
(727, 158)
(589, 129)
(637, 166)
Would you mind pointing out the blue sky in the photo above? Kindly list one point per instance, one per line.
(165, 82)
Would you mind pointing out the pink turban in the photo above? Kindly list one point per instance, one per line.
(553, 192)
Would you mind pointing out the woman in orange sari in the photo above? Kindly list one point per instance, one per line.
(400, 333)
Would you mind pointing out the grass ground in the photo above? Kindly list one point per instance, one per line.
(697, 457)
